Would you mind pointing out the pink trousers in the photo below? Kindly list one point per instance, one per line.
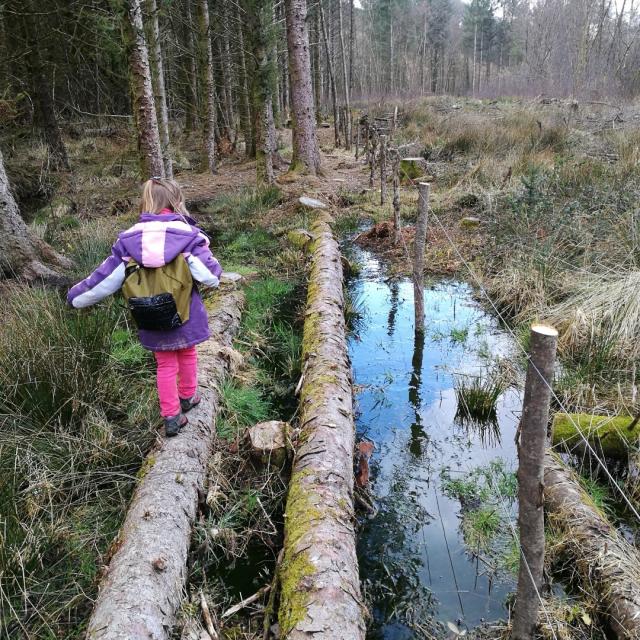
(177, 378)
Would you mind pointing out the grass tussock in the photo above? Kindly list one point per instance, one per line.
(77, 411)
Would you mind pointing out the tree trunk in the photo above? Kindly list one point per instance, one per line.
(317, 71)
(610, 436)
(395, 164)
(144, 583)
(157, 79)
(320, 589)
(345, 77)
(608, 566)
(306, 154)
(45, 107)
(245, 111)
(21, 254)
(531, 443)
(144, 108)
(332, 80)
(418, 254)
(207, 80)
(383, 170)
(259, 20)
(192, 108)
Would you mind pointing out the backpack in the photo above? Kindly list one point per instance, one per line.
(159, 298)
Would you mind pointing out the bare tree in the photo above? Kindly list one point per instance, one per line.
(207, 79)
(306, 154)
(157, 79)
(143, 104)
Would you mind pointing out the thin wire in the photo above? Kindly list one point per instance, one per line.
(553, 393)
(516, 537)
(506, 324)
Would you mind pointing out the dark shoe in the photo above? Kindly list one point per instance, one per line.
(173, 425)
(186, 404)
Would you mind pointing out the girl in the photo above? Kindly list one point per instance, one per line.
(162, 233)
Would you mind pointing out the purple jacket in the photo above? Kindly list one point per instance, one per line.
(153, 242)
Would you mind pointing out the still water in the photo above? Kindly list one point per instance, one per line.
(418, 575)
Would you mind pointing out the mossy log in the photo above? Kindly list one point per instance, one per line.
(607, 565)
(144, 583)
(320, 590)
(609, 435)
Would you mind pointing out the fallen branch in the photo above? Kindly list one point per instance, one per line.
(144, 583)
(208, 620)
(606, 563)
(246, 602)
(319, 584)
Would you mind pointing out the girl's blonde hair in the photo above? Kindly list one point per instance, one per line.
(162, 193)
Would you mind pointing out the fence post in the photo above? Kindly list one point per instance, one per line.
(531, 442)
(418, 254)
(383, 169)
(373, 143)
(358, 127)
(395, 172)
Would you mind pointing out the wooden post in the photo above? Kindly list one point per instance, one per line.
(383, 169)
(358, 127)
(366, 136)
(418, 254)
(395, 171)
(372, 158)
(531, 442)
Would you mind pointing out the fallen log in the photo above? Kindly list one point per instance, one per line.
(607, 565)
(143, 585)
(612, 436)
(320, 591)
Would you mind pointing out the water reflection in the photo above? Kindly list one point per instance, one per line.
(414, 563)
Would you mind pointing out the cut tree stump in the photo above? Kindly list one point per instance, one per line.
(311, 203)
(144, 583)
(320, 589)
(609, 435)
(412, 168)
(268, 443)
(300, 238)
(608, 566)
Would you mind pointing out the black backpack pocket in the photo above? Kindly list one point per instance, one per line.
(155, 313)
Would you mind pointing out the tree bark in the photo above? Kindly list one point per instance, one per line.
(418, 254)
(395, 169)
(606, 563)
(21, 254)
(383, 170)
(332, 78)
(531, 443)
(320, 589)
(306, 155)
(157, 80)
(144, 108)
(207, 79)
(610, 436)
(45, 107)
(144, 583)
(246, 123)
(345, 77)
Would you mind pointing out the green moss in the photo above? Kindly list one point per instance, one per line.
(300, 517)
(611, 434)
(147, 465)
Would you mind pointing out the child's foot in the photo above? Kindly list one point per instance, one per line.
(186, 404)
(173, 425)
